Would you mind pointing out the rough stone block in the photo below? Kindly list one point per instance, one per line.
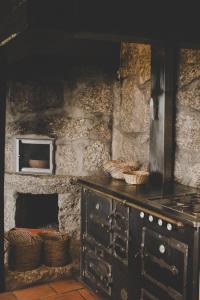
(10, 156)
(187, 174)
(188, 129)
(101, 128)
(190, 94)
(68, 159)
(41, 184)
(136, 62)
(188, 73)
(95, 155)
(69, 213)
(130, 147)
(9, 208)
(134, 108)
(189, 56)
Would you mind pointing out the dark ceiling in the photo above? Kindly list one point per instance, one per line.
(50, 26)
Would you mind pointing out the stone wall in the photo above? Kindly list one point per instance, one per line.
(131, 111)
(187, 163)
(77, 113)
(90, 112)
(131, 105)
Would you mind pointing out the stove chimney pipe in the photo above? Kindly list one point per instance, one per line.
(162, 110)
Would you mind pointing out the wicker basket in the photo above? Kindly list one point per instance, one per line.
(136, 177)
(25, 251)
(117, 167)
(56, 249)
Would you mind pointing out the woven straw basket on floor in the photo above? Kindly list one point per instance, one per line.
(56, 249)
(25, 251)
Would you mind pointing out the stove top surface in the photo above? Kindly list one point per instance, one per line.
(186, 204)
(174, 200)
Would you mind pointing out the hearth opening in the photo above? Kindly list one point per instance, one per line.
(36, 211)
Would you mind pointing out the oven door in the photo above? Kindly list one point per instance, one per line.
(164, 263)
(98, 273)
(98, 222)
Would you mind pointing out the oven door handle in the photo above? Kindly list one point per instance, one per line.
(159, 261)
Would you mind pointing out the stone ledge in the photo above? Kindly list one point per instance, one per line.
(28, 183)
(43, 274)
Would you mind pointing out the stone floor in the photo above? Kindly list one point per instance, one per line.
(57, 290)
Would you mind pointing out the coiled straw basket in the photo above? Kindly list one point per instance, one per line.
(56, 249)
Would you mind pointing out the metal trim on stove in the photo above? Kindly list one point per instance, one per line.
(141, 208)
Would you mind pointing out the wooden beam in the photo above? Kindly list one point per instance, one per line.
(2, 161)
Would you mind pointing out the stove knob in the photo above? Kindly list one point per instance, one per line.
(162, 249)
(97, 206)
(142, 215)
(169, 226)
(160, 222)
(150, 218)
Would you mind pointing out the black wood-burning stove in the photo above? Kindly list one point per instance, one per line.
(140, 243)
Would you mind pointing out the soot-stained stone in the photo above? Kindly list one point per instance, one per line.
(35, 96)
(90, 94)
(97, 127)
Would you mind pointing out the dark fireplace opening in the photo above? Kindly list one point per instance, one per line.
(36, 211)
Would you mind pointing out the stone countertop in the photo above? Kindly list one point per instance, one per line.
(142, 196)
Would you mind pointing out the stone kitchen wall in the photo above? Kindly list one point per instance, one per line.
(93, 116)
(131, 105)
(77, 113)
(187, 163)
